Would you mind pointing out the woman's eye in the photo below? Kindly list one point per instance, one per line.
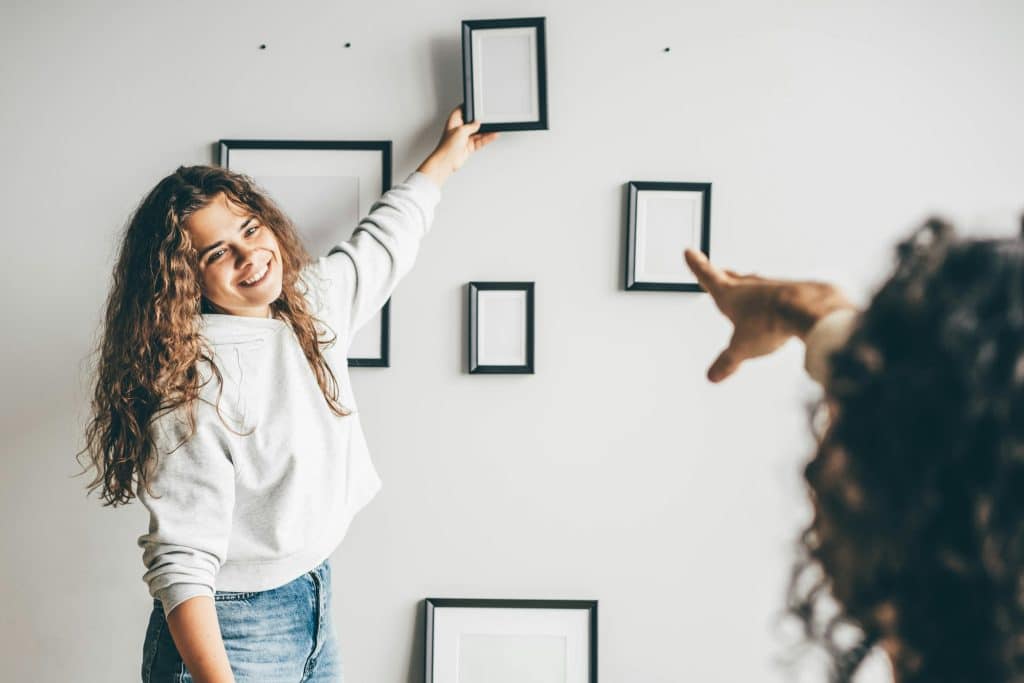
(252, 230)
(215, 255)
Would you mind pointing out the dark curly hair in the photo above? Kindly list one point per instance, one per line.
(917, 540)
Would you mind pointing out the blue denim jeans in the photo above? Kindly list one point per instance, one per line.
(282, 635)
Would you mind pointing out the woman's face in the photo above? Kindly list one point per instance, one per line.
(239, 258)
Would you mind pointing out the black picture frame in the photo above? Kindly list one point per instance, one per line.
(384, 147)
(469, 109)
(475, 366)
(431, 605)
(634, 188)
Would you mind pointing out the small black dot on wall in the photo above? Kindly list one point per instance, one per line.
(668, 49)
(348, 44)
(263, 46)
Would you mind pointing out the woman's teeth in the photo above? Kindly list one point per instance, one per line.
(257, 277)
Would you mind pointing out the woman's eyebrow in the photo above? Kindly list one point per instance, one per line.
(243, 226)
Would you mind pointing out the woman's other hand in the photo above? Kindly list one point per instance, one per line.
(765, 313)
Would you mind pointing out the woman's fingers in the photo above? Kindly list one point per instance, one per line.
(482, 140)
(745, 277)
(718, 283)
(709, 277)
(458, 141)
(724, 365)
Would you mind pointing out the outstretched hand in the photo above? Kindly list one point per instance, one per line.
(764, 313)
(459, 140)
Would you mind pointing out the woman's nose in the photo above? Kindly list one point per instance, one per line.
(245, 254)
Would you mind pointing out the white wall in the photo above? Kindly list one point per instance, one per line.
(616, 472)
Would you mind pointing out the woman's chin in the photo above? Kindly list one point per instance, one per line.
(276, 291)
(264, 295)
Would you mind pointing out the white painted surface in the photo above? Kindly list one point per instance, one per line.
(501, 337)
(535, 645)
(667, 223)
(505, 86)
(617, 473)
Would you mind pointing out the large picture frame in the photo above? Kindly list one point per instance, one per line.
(501, 327)
(504, 74)
(510, 641)
(664, 219)
(326, 187)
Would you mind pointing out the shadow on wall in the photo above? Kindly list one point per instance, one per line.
(446, 71)
(463, 345)
(417, 674)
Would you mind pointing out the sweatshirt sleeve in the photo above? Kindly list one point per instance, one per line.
(363, 272)
(826, 337)
(193, 486)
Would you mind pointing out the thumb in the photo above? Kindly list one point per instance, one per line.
(724, 365)
(454, 118)
(472, 127)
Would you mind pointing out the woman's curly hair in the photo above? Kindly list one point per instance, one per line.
(151, 351)
(918, 482)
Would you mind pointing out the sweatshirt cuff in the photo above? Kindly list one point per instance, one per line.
(826, 337)
(177, 593)
(421, 184)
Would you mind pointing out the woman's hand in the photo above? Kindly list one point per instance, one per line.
(196, 634)
(764, 313)
(458, 141)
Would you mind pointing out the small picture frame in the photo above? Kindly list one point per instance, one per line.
(663, 220)
(501, 328)
(511, 641)
(504, 74)
(325, 187)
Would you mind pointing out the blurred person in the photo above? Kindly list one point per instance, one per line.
(917, 485)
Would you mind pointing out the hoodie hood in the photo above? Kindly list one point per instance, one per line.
(219, 328)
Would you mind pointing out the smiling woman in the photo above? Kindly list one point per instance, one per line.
(223, 403)
(240, 264)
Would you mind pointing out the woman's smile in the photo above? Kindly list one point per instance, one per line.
(259, 277)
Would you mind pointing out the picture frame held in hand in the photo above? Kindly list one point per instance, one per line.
(504, 74)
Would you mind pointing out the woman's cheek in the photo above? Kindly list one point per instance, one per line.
(218, 277)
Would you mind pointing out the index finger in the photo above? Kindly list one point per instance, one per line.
(708, 275)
